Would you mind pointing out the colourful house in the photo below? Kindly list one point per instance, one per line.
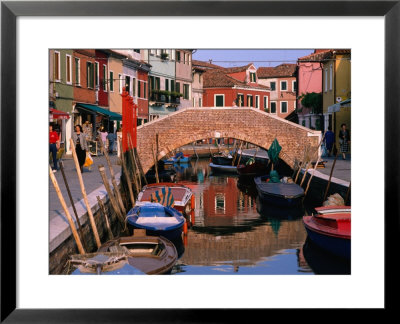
(337, 89)
(309, 79)
(282, 81)
(183, 77)
(238, 86)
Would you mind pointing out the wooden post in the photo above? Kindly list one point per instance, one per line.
(139, 164)
(69, 218)
(103, 210)
(155, 162)
(240, 156)
(236, 152)
(197, 156)
(209, 148)
(72, 204)
(305, 173)
(117, 192)
(330, 177)
(89, 209)
(309, 180)
(110, 194)
(128, 180)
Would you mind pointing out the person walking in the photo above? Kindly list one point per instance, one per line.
(81, 146)
(111, 139)
(344, 140)
(329, 140)
(54, 145)
(103, 137)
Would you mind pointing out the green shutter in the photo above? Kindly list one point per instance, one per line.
(219, 101)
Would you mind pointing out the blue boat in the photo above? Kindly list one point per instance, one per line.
(157, 220)
(178, 158)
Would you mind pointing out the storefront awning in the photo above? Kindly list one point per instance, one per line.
(96, 109)
(336, 107)
(58, 114)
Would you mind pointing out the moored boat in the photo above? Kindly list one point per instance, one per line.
(333, 209)
(223, 168)
(222, 158)
(178, 158)
(331, 232)
(157, 220)
(285, 194)
(183, 199)
(149, 254)
(252, 168)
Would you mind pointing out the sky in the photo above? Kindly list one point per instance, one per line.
(241, 57)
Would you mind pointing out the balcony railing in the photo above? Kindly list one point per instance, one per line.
(165, 97)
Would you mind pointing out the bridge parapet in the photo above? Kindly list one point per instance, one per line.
(246, 124)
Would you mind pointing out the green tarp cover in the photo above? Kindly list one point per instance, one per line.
(112, 115)
(273, 151)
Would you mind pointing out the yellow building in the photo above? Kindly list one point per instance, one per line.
(336, 90)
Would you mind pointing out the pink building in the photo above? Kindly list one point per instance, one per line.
(310, 80)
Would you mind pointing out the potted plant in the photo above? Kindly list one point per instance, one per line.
(164, 56)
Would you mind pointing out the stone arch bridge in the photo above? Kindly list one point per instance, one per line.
(246, 124)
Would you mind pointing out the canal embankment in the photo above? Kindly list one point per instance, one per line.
(61, 241)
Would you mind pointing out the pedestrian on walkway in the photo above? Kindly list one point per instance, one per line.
(111, 139)
(344, 140)
(81, 146)
(103, 136)
(54, 141)
(329, 140)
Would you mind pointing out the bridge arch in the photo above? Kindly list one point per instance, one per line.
(246, 124)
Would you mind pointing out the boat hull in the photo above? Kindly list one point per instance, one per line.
(161, 221)
(252, 170)
(328, 238)
(223, 168)
(221, 160)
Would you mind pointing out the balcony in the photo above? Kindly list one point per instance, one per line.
(163, 97)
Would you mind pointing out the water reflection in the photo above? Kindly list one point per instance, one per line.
(233, 233)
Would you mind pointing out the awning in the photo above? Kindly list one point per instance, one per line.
(336, 107)
(58, 114)
(96, 109)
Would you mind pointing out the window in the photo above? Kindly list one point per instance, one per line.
(138, 88)
(166, 84)
(186, 91)
(294, 86)
(253, 77)
(111, 81)
(330, 77)
(284, 108)
(104, 77)
(249, 101)
(178, 56)
(57, 72)
(257, 101)
(240, 100)
(219, 100)
(68, 63)
(128, 84)
(283, 85)
(172, 86)
(200, 102)
(133, 87)
(96, 74)
(137, 51)
(120, 83)
(326, 80)
(144, 90)
(77, 72)
(265, 102)
(273, 86)
(273, 107)
(90, 75)
(178, 87)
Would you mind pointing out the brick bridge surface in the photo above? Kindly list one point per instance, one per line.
(247, 124)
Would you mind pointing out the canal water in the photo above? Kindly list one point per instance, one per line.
(232, 233)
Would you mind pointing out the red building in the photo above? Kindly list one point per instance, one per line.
(142, 93)
(229, 87)
(101, 78)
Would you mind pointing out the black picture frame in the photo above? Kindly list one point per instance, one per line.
(10, 10)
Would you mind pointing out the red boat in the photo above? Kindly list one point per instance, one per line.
(324, 210)
(330, 231)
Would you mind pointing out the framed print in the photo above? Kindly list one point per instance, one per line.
(30, 28)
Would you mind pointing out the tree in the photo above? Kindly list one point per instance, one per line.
(313, 101)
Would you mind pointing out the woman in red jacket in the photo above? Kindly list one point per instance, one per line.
(54, 142)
